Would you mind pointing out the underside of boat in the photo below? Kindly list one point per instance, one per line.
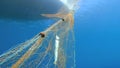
(29, 9)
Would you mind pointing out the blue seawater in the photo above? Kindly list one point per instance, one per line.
(97, 33)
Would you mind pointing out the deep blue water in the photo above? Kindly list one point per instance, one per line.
(97, 33)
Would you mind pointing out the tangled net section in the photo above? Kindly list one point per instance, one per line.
(52, 48)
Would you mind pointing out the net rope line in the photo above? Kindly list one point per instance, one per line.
(14, 51)
(30, 51)
(34, 45)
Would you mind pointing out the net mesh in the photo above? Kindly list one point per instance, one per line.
(52, 48)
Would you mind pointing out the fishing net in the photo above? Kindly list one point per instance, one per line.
(52, 48)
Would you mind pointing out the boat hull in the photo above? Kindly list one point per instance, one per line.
(29, 9)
